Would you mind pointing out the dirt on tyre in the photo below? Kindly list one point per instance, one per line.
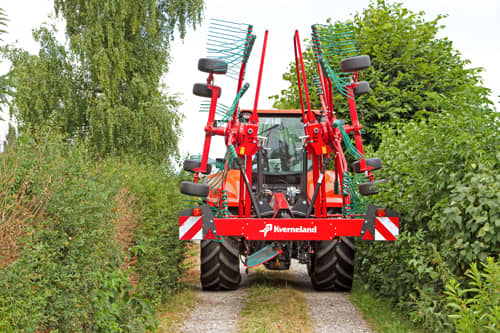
(332, 265)
(220, 264)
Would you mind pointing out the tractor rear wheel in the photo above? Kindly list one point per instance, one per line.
(333, 264)
(220, 265)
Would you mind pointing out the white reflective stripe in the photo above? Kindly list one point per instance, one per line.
(199, 235)
(190, 222)
(378, 236)
(389, 225)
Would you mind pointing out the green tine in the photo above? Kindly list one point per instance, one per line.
(230, 42)
(232, 109)
(358, 202)
(351, 149)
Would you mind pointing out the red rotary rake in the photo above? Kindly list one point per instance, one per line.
(273, 198)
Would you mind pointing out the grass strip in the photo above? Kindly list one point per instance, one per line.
(380, 314)
(172, 315)
(273, 306)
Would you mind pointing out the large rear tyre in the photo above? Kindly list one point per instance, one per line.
(220, 265)
(333, 264)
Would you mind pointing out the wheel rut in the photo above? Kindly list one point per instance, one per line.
(328, 311)
(216, 311)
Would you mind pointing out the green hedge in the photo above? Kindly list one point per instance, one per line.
(443, 174)
(157, 245)
(67, 276)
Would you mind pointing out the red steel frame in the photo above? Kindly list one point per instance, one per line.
(313, 228)
(320, 140)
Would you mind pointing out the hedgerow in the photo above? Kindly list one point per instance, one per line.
(444, 180)
(57, 205)
(158, 248)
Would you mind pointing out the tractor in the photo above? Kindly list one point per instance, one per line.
(284, 189)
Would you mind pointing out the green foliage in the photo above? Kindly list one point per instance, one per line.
(379, 312)
(51, 89)
(105, 88)
(59, 215)
(123, 46)
(3, 21)
(57, 212)
(445, 183)
(477, 309)
(412, 73)
(160, 252)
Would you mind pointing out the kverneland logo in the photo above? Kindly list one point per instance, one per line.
(277, 228)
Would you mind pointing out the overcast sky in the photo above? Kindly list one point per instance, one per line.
(473, 26)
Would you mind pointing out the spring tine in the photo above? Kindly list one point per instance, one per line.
(230, 42)
(334, 42)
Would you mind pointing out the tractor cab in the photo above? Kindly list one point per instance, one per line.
(282, 148)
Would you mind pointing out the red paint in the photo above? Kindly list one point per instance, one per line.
(278, 202)
(209, 235)
(193, 231)
(312, 229)
(367, 235)
(384, 232)
(182, 220)
(394, 220)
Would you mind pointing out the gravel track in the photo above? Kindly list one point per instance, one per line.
(217, 311)
(329, 311)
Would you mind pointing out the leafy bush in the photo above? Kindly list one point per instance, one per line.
(477, 309)
(160, 252)
(65, 274)
(444, 181)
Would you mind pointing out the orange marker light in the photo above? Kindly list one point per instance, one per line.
(196, 212)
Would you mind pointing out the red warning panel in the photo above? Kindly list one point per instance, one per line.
(386, 228)
(190, 227)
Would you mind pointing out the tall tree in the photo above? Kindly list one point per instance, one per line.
(106, 87)
(413, 71)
